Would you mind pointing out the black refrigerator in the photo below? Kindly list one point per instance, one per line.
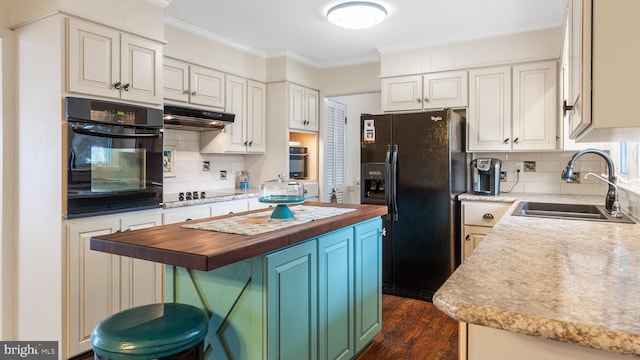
(415, 164)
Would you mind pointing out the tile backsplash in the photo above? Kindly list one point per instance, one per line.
(190, 166)
(546, 177)
(541, 173)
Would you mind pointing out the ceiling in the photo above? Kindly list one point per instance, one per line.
(299, 29)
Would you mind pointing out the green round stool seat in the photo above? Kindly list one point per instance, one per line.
(149, 332)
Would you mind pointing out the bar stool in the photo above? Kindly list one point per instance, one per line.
(156, 331)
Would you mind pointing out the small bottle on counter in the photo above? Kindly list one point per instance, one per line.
(244, 180)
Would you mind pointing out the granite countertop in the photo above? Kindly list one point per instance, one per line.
(567, 280)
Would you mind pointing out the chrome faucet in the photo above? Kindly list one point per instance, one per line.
(612, 193)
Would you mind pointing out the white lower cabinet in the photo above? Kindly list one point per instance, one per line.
(484, 343)
(100, 284)
(478, 218)
(187, 213)
(229, 207)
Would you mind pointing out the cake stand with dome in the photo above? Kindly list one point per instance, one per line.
(281, 192)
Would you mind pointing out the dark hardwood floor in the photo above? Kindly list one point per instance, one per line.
(413, 330)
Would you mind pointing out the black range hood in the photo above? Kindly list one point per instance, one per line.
(183, 118)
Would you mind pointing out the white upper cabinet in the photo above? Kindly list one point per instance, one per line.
(176, 80)
(207, 86)
(445, 90)
(106, 62)
(518, 115)
(402, 93)
(604, 54)
(534, 106)
(256, 116)
(423, 92)
(247, 100)
(489, 114)
(303, 108)
(197, 85)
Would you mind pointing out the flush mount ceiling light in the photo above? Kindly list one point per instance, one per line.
(357, 14)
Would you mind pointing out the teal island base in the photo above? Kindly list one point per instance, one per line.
(317, 299)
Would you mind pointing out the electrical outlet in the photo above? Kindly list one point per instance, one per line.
(519, 167)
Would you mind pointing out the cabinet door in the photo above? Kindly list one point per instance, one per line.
(296, 106)
(368, 281)
(534, 106)
(255, 204)
(445, 90)
(207, 87)
(236, 103)
(576, 66)
(292, 302)
(94, 279)
(402, 93)
(94, 59)
(176, 80)
(471, 237)
(256, 115)
(335, 295)
(489, 115)
(311, 98)
(142, 281)
(140, 70)
(229, 207)
(172, 216)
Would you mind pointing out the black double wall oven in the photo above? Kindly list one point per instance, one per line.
(114, 157)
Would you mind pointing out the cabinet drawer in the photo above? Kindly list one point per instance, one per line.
(482, 213)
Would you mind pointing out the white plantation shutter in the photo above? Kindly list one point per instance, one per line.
(334, 179)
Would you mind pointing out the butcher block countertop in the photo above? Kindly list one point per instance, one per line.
(207, 250)
(567, 280)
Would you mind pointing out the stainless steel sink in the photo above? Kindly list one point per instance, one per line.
(568, 211)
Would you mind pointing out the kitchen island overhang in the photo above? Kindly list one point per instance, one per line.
(207, 250)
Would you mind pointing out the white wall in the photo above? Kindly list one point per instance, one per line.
(349, 80)
(522, 47)
(198, 49)
(356, 105)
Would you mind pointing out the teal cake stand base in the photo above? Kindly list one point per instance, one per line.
(282, 211)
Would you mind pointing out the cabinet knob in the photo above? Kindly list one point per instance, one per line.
(117, 85)
(506, 141)
(516, 140)
(419, 100)
(468, 238)
(426, 100)
(245, 143)
(488, 216)
(193, 93)
(126, 87)
(186, 92)
(251, 143)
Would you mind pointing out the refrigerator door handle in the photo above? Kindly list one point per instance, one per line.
(394, 180)
(387, 192)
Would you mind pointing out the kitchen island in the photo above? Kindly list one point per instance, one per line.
(533, 280)
(311, 290)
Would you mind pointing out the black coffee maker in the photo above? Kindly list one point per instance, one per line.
(485, 176)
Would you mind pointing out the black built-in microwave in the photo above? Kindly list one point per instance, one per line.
(298, 162)
(114, 157)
